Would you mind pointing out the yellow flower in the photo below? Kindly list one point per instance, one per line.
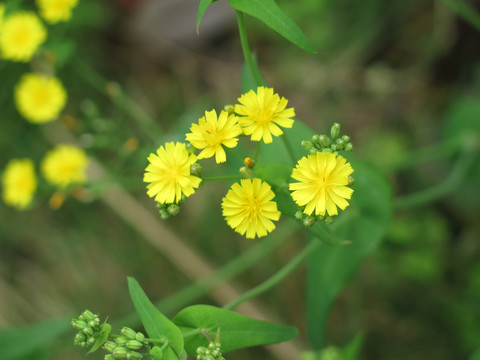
(21, 35)
(323, 183)
(248, 208)
(210, 134)
(65, 165)
(168, 173)
(40, 98)
(54, 11)
(19, 183)
(263, 113)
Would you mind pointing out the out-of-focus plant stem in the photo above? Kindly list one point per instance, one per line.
(277, 278)
(115, 92)
(465, 11)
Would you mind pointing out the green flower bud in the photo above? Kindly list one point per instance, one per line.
(134, 355)
(299, 215)
(121, 340)
(307, 145)
(230, 109)
(328, 220)
(312, 151)
(351, 181)
(156, 353)
(330, 151)
(189, 147)
(218, 345)
(346, 139)
(173, 209)
(333, 147)
(349, 147)
(109, 357)
(91, 340)
(140, 337)
(216, 353)
(79, 338)
(340, 144)
(164, 214)
(335, 131)
(134, 344)
(87, 330)
(212, 346)
(324, 141)
(245, 172)
(78, 324)
(109, 346)
(87, 315)
(200, 350)
(196, 169)
(120, 352)
(316, 139)
(309, 221)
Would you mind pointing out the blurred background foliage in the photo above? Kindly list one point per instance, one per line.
(400, 76)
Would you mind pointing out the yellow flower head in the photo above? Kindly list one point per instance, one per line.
(21, 35)
(263, 113)
(211, 134)
(323, 183)
(248, 208)
(65, 165)
(19, 183)
(168, 173)
(54, 11)
(40, 98)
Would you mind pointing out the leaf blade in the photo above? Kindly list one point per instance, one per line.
(271, 15)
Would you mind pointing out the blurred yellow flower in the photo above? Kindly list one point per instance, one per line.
(65, 165)
(211, 134)
(19, 183)
(323, 183)
(263, 113)
(248, 208)
(168, 173)
(21, 35)
(40, 98)
(54, 11)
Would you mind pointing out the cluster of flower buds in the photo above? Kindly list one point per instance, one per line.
(212, 352)
(125, 345)
(88, 326)
(329, 144)
(309, 220)
(167, 210)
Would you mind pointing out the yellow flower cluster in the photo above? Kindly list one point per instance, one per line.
(54, 11)
(248, 207)
(20, 36)
(40, 98)
(62, 166)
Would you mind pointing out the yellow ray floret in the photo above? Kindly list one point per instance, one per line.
(211, 134)
(323, 183)
(19, 183)
(40, 98)
(20, 36)
(168, 173)
(262, 114)
(248, 208)
(65, 165)
(54, 11)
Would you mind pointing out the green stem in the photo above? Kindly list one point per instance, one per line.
(119, 98)
(277, 278)
(192, 333)
(458, 173)
(226, 177)
(289, 148)
(465, 11)
(257, 151)
(254, 70)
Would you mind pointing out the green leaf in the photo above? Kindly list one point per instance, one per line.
(330, 267)
(352, 350)
(20, 342)
(105, 330)
(204, 4)
(236, 331)
(63, 51)
(156, 324)
(269, 13)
